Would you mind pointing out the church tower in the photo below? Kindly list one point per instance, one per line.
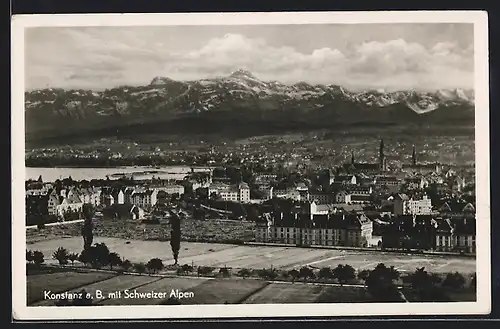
(414, 156)
(352, 157)
(382, 156)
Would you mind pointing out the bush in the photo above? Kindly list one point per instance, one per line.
(224, 271)
(85, 257)
(205, 270)
(29, 256)
(154, 265)
(126, 265)
(244, 272)
(344, 273)
(114, 259)
(72, 257)
(186, 268)
(454, 281)
(61, 255)
(306, 273)
(268, 274)
(38, 258)
(325, 273)
(140, 268)
(294, 274)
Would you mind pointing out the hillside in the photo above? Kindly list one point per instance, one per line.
(237, 104)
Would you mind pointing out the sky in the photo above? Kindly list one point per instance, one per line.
(425, 56)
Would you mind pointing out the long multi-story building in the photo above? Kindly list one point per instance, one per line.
(342, 229)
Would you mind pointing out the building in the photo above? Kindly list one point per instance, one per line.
(322, 198)
(239, 193)
(346, 179)
(71, 203)
(404, 205)
(392, 183)
(145, 199)
(421, 168)
(344, 229)
(456, 235)
(91, 195)
(290, 194)
(409, 232)
(172, 189)
(416, 183)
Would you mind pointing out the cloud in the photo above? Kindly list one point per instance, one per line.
(89, 60)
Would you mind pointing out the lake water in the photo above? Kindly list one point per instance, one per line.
(140, 173)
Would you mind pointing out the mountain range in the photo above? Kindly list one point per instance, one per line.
(238, 103)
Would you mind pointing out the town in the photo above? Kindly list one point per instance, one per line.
(381, 205)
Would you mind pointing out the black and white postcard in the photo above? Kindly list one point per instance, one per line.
(214, 165)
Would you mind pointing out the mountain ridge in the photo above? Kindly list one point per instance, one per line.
(240, 96)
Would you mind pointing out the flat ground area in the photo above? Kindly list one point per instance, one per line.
(257, 257)
(133, 290)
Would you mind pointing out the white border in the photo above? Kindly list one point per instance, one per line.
(483, 304)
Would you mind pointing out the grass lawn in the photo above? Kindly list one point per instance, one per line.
(117, 283)
(59, 282)
(221, 291)
(286, 293)
(162, 285)
(333, 294)
(465, 295)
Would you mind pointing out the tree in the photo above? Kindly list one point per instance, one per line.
(85, 257)
(114, 260)
(154, 265)
(126, 265)
(72, 257)
(325, 273)
(140, 268)
(244, 272)
(100, 255)
(204, 270)
(61, 255)
(344, 273)
(380, 283)
(294, 274)
(425, 285)
(454, 281)
(363, 275)
(224, 271)
(87, 228)
(38, 258)
(29, 256)
(306, 273)
(175, 235)
(187, 268)
(268, 274)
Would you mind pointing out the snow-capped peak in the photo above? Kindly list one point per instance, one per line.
(242, 74)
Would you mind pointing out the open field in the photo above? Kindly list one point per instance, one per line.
(60, 282)
(206, 291)
(192, 230)
(162, 285)
(117, 283)
(225, 291)
(282, 292)
(308, 293)
(257, 257)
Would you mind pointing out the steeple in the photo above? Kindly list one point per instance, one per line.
(381, 155)
(414, 156)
